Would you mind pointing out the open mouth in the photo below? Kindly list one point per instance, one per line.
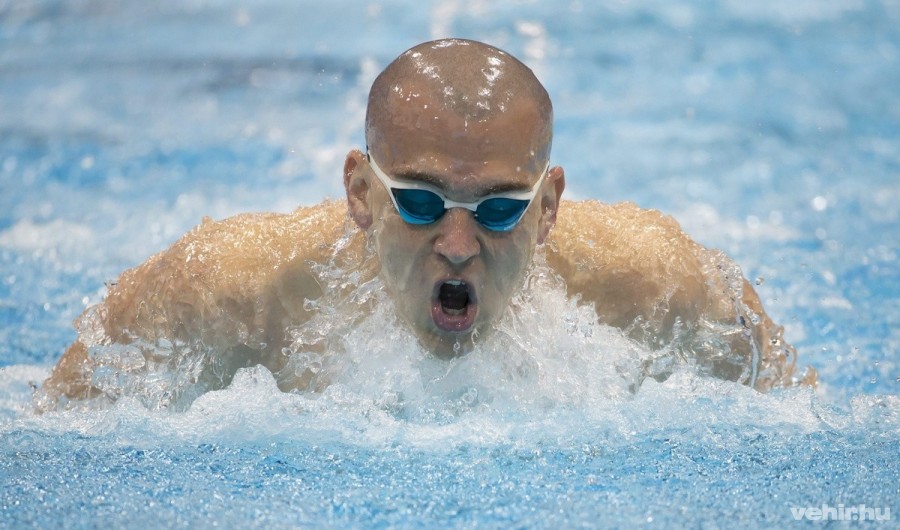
(454, 307)
(454, 297)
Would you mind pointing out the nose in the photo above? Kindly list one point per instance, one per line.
(456, 240)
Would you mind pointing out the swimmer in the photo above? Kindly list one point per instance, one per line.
(449, 204)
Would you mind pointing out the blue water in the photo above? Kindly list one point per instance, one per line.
(768, 129)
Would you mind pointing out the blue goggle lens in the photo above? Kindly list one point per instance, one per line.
(500, 213)
(419, 207)
(422, 207)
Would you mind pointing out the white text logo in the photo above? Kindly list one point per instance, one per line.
(842, 513)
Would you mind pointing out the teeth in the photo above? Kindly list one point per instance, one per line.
(454, 283)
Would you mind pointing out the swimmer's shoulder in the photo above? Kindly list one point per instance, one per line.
(630, 261)
(252, 244)
(238, 262)
(622, 230)
(621, 215)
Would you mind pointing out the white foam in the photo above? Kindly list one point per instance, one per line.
(545, 376)
(444, 414)
(16, 386)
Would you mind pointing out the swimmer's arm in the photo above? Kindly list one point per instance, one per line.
(233, 285)
(643, 274)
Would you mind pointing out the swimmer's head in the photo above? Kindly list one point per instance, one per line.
(460, 121)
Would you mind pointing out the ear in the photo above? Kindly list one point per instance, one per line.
(356, 183)
(550, 196)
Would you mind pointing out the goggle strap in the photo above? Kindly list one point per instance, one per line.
(390, 183)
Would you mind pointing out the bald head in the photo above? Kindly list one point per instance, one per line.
(463, 83)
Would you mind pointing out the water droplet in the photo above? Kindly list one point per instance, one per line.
(752, 222)
(760, 280)
(819, 203)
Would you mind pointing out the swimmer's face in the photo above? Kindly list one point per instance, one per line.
(452, 278)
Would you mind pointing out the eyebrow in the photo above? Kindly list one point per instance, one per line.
(435, 181)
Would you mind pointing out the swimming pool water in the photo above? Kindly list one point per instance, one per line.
(768, 129)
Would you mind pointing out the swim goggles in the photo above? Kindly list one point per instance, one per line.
(419, 203)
